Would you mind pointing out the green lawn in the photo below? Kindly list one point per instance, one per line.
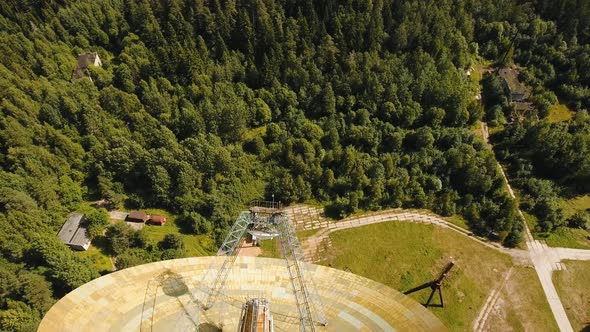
(100, 261)
(563, 237)
(195, 245)
(404, 255)
(458, 220)
(573, 205)
(574, 290)
(559, 112)
(271, 248)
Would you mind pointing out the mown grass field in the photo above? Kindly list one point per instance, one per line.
(405, 255)
(271, 248)
(574, 290)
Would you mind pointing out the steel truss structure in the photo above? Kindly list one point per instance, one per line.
(308, 302)
(309, 306)
(228, 249)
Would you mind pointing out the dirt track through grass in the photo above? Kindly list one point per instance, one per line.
(404, 255)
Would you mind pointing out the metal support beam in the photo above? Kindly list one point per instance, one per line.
(307, 299)
(435, 286)
(228, 249)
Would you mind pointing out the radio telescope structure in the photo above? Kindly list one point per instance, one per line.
(228, 292)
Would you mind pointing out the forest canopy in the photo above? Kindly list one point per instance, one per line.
(202, 106)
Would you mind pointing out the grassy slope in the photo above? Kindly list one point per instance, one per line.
(195, 245)
(563, 237)
(574, 290)
(404, 255)
(571, 206)
(559, 112)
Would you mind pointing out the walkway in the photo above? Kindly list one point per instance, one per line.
(544, 258)
(316, 246)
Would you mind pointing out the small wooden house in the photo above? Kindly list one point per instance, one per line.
(157, 220)
(74, 233)
(137, 216)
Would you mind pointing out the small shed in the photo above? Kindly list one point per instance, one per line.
(74, 233)
(157, 220)
(137, 216)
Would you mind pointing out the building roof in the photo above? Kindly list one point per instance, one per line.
(510, 76)
(138, 215)
(73, 231)
(158, 219)
(84, 61)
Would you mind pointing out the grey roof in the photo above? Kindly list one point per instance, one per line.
(73, 231)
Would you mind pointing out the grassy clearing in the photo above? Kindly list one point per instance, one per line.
(254, 132)
(404, 255)
(563, 237)
(526, 306)
(573, 205)
(574, 290)
(195, 245)
(559, 112)
(100, 260)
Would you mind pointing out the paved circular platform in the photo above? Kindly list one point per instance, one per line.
(163, 296)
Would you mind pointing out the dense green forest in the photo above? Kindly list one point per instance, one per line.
(202, 106)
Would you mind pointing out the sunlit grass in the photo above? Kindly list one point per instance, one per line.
(559, 112)
(574, 290)
(405, 255)
(98, 259)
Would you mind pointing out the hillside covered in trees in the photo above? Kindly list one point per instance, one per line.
(202, 106)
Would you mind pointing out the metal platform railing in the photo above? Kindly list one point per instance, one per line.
(266, 204)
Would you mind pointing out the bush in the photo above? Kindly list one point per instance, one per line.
(171, 241)
(97, 220)
(579, 220)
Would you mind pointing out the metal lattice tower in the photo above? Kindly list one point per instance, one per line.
(308, 302)
(229, 250)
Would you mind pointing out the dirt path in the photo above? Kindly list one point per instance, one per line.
(545, 260)
(316, 246)
(490, 304)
